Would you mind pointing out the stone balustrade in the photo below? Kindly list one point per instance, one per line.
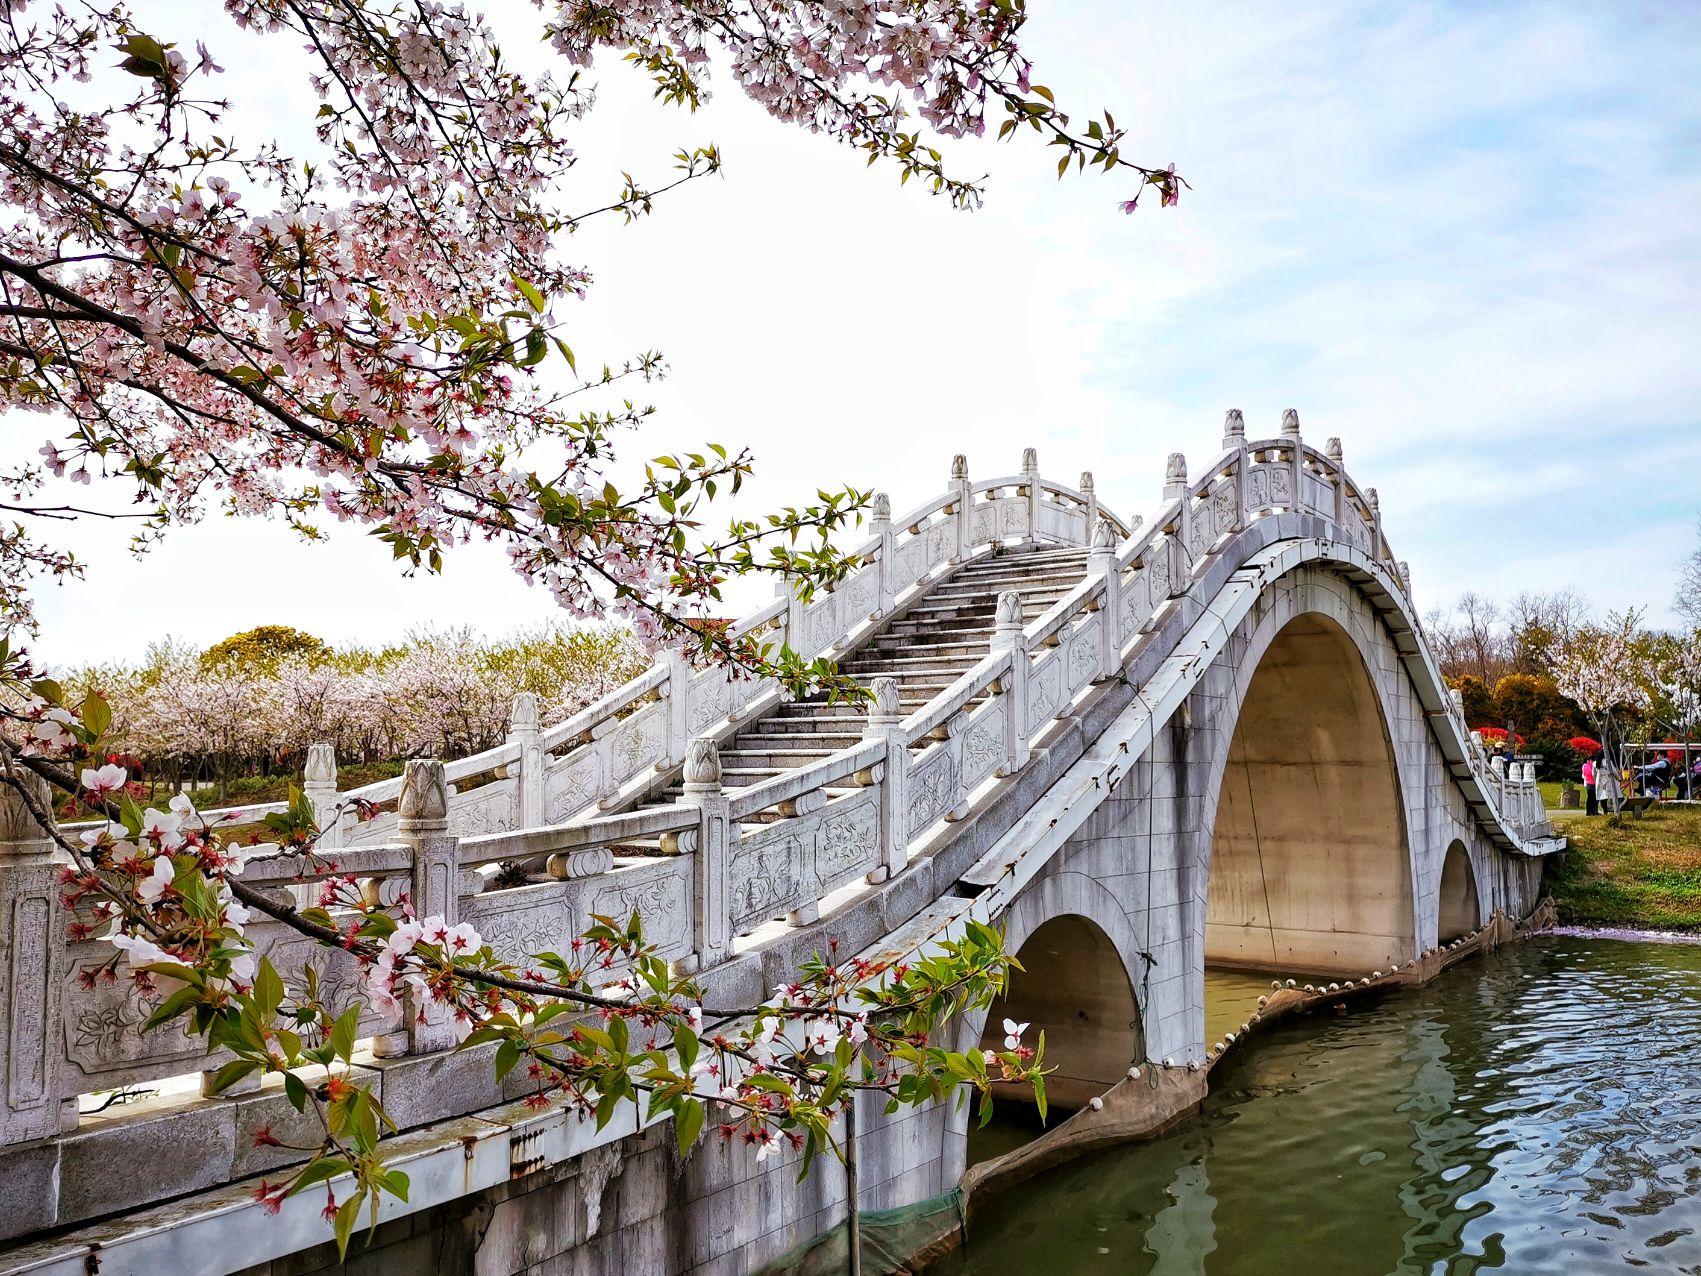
(538, 842)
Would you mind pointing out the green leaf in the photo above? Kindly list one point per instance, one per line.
(295, 1090)
(171, 1007)
(326, 1167)
(347, 1213)
(96, 714)
(268, 989)
(232, 1072)
(688, 1123)
(507, 1055)
(343, 1033)
(530, 293)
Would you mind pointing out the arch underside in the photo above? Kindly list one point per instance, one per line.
(1073, 987)
(1458, 911)
(1310, 869)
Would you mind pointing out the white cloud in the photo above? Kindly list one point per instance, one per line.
(1463, 240)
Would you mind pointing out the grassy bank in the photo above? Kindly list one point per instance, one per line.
(1644, 873)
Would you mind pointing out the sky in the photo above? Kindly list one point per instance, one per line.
(1461, 238)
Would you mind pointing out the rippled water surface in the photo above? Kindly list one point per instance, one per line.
(1538, 1110)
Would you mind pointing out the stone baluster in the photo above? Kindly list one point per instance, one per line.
(32, 961)
(1234, 440)
(962, 500)
(1090, 491)
(885, 560)
(1008, 635)
(434, 890)
(319, 787)
(526, 738)
(1404, 570)
(1296, 454)
(1101, 562)
(712, 912)
(1177, 547)
(886, 722)
(1456, 698)
(1375, 524)
(1332, 449)
(794, 610)
(1031, 481)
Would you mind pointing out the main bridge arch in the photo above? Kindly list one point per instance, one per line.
(1309, 864)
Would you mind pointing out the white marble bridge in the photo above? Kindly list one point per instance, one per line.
(1214, 736)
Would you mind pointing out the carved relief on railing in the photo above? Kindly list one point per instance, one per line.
(102, 1018)
(1215, 511)
(573, 783)
(1269, 480)
(787, 866)
(1317, 483)
(520, 922)
(934, 787)
(1135, 603)
(982, 751)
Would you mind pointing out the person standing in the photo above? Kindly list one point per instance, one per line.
(1589, 786)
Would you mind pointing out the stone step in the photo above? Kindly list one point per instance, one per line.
(796, 720)
(792, 741)
(776, 760)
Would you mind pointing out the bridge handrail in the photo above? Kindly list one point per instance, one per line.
(711, 875)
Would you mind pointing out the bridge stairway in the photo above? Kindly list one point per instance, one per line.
(927, 647)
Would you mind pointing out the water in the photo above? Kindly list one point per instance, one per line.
(1535, 1111)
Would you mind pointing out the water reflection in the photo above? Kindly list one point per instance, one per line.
(1536, 1111)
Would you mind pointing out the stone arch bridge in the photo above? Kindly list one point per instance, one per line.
(1217, 736)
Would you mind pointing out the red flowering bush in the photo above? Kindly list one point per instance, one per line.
(1584, 746)
(1495, 737)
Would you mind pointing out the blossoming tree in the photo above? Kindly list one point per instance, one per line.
(1603, 668)
(360, 331)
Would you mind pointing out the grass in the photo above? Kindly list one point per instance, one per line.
(1643, 873)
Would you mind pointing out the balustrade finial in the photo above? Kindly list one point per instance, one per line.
(1375, 501)
(1030, 460)
(1290, 423)
(1234, 429)
(1086, 481)
(320, 769)
(425, 796)
(1175, 476)
(882, 508)
(1405, 570)
(1332, 450)
(524, 715)
(1009, 614)
(959, 467)
(1104, 539)
(887, 705)
(702, 765)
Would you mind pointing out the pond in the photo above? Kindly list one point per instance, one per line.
(1537, 1110)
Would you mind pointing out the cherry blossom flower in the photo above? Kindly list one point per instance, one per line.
(1013, 1034)
(99, 781)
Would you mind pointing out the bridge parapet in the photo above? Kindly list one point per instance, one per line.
(539, 841)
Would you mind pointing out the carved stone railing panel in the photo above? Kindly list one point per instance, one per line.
(526, 920)
(933, 789)
(101, 1016)
(983, 743)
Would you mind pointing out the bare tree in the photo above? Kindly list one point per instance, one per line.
(1688, 597)
(1537, 621)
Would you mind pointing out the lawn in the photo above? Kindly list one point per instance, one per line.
(1644, 873)
(253, 789)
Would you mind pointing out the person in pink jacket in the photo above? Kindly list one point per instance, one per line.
(1589, 785)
